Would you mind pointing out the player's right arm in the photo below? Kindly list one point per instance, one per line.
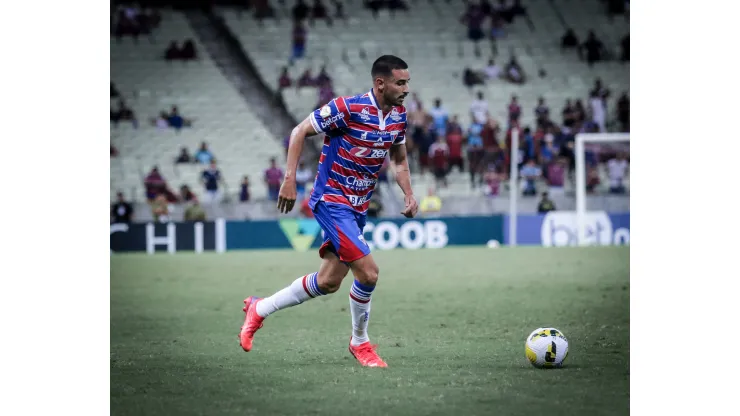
(329, 117)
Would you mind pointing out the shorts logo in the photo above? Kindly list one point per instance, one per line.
(325, 111)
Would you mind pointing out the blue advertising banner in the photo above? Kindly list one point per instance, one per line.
(558, 228)
(304, 234)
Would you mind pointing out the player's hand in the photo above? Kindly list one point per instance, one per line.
(287, 196)
(411, 206)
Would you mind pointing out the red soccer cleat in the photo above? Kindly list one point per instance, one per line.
(252, 322)
(366, 355)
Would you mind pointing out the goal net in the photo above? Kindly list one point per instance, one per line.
(602, 188)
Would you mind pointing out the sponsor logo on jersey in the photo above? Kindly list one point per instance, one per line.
(357, 200)
(365, 114)
(394, 115)
(359, 184)
(331, 120)
(368, 153)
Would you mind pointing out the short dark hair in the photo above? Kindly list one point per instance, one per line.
(385, 65)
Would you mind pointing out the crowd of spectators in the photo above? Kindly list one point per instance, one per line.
(186, 52)
(438, 143)
(130, 20)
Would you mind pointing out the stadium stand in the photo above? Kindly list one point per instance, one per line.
(220, 117)
(433, 41)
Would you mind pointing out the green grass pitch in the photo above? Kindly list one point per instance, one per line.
(451, 324)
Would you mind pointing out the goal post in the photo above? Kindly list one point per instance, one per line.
(580, 155)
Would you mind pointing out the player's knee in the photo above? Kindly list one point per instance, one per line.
(328, 286)
(369, 275)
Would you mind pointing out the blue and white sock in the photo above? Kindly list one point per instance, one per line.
(302, 289)
(359, 305)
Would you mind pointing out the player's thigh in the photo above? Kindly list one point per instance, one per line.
(331, 273)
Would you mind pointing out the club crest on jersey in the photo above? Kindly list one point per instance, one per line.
(365, 114)
(325, 111)
(394, 115)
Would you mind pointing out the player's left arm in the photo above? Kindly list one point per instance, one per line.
(399, 160)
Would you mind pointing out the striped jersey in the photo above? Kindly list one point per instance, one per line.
(358, 137)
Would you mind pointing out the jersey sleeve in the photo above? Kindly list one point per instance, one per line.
(401, 137)
(332, 116)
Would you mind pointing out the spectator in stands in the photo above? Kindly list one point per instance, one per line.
(188, 52)
(569, 40)
(542, 113)
(624, 56)
(598, 111)
(414, 103)
(319, 11)
(375, 207)
(431, 204)
(593, 179)
(114, 91)
(475, 152)
(284, 81)
(302, 177)
(154, 184)
(123, 113)
(204, 155)
(579, 111)
(546, 205)
(113, 151)
(497, 26)
(326, 93)
(439, 116)
(439, 154)
(556, 171)
(160, 208)
(492, 70)
(514, 110)
(300, 35)
(306, 80)
(569, 114)
(514, 72)
(623, 113)
(455, 143)
(473, 19)
(323, 76)
(122, 211)
(194, 212)
(374, 6)
(479, 109)
(211, 177)
(244, 190)
(593, 48)
(617, 168)
(186, 195)
(300, 11)
(339, 10)
(175, 120)
(173, 52)
(493, 179)
(273, 179)
(184, 156)
(530, 173)
(600, 90)
(162, 122)
(471, 78)
(262, 10)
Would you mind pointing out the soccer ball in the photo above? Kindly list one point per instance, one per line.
(546, 348)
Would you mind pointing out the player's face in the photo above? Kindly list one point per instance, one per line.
(396, 87)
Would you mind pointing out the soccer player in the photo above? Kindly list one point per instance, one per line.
(359, 132)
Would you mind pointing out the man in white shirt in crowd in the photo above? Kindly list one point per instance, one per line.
(617, 168)
(479, 109)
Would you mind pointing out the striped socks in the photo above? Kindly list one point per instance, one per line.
(301, 290)
(359, 305)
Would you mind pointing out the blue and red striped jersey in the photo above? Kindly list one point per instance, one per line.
(358, 137)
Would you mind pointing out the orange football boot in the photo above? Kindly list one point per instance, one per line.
(366, 355)
(252, 322)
